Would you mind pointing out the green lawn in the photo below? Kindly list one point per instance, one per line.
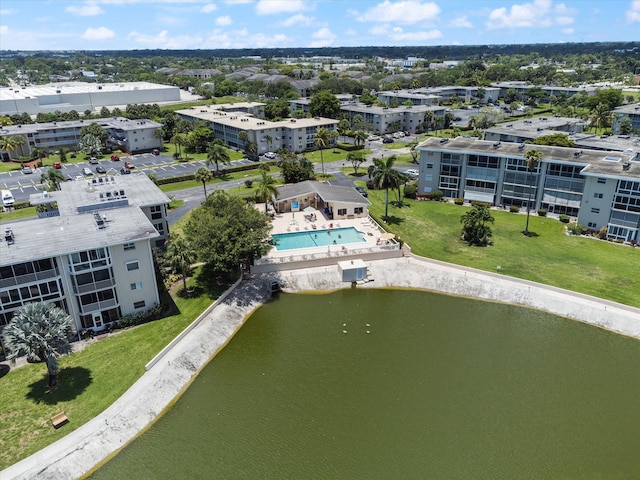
(330, 155)
(549, 256)
(89, 380)
(17, 214)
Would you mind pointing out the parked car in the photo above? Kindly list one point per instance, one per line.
(387, 140)
(270, 155)
(93, 161)
(413, 173)
(101, 169)
(27, 170)
(125, 171)
(254, 157)
(129, 165)
(115, 158)
(57, 165)
(362, 191)
(155, 151)
(87, 171)
(373, 138)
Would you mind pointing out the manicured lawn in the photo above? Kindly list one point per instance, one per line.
(18, 214)
(330, 155)
(170, 149)
(89, 380)
(240, 176)
(599, 268)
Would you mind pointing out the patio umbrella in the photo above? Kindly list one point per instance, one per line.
(387, 236)
(309, 209)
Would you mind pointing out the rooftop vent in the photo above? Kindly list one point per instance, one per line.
(497, 144)
(611, 159)
(626, 165)
(521, 146)
(8, 236)
(101, 221)
(444, 140)
(578, 153)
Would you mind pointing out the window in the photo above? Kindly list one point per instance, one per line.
(139, 304)
(156, 212)
(134, 265)
(129, 246)
(429, 165)
(136, 286)
(358, 210)
(595, 210)
(592, 225)
(602, 180)
(597, 195)
(342, 211)
(428, 178)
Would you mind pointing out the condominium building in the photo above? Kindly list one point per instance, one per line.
(228, 121)
(90, 253)
(631, 111)
(124, 134)
(434, 95)
(600, 189)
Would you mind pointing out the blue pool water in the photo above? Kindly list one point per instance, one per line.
(317, 238)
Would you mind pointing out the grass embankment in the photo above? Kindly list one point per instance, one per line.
(599, 268)
(89, 380)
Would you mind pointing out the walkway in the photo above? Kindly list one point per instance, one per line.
(78, 452)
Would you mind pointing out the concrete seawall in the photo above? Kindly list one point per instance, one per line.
(81, 450)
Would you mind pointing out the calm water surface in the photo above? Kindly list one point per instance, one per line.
(440, 387)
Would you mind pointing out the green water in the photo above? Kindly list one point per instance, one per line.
(441, 388)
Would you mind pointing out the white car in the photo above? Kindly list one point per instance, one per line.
(373, 138)
(87, 171)
(270, 155)
(413, 173)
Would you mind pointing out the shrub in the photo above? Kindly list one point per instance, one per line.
(458, 201)
(73, 155)
(602, 233)
(564, 218)
(248, 183)
(514, 208)
(410, 190)
(436, 195)
(478, 203)
(348, 147)
(576, 228)
(370, 185)
(542, 212)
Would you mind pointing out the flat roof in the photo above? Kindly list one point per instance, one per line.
(119, 123)
(593, 159)
(328, 193)
(48, 237)
(632, 108)
(19, 93)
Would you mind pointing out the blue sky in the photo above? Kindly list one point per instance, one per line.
(202, 24)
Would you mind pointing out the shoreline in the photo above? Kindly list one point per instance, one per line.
(89, 446)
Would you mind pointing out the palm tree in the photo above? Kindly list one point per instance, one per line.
(180, 255)
(216, 153)
(359, 137)
(269, 141)
(475, 228)
(243, 136)
(333, 135)
(266, 189)
(179, 139)
(40, 331)
(11, 142)
(384, 176)
(428, 118)
(203, 175)
(532, 157)
(600, 116)
(321, 139)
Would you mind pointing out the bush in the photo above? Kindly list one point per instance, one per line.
(348, 147)
(248, 183)
(602, 233)
(435, 195)
(458, 201)
(576, 228)
(478, 203)
(370, 185)
(410, 190)
(514, 208)
(564, 218)
(73, 155)
(542, 212)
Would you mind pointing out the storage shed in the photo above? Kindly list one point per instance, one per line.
(353, 270)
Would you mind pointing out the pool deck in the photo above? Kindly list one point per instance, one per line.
(81, 450)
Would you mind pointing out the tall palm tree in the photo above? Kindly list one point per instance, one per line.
(179, 139)
(243, 137)
(428, 119)
(532, 157)
(359, 137)
(269, 141)
(321, 139)
(180, 255)
(333, 135)
(217, 154)
(40, 331)
(11, 142)
(266, 189)
(600, 116)
(203, 175)
(384, 176)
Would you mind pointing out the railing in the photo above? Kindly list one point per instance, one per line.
(92, 307)
(28, 278)
(328, 254)
(94, 286)
(49, 214)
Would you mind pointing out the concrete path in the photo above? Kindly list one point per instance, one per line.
(78, 452)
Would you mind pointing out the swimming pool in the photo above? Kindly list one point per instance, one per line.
(317, 238)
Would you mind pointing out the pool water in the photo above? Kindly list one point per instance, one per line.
(317, 238)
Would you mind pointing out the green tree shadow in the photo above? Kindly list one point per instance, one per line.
(72, 382)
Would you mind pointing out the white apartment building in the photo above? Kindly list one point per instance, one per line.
(91, 256)
(599, 188)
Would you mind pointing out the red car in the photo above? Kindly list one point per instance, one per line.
(129, 165)
(57, 165)
(115, 158)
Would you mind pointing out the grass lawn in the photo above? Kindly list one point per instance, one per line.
(17, 214)
(599, 268)
(89, 380)
(240, 176)
(330, 155)
(170, 149)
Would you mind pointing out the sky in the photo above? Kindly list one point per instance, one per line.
(206, 24)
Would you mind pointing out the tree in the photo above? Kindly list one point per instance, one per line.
(90, 144)
(243, 137)
(475, 226)
(359, 137)
(226, 231)
(532, 157)
(269, 141)
(554, 139)
(180, 256)
(324, 104)
(11, 142)
(266, 189)
(97, 131)
(179, 140)
(384, 176)
(54, 178)
(626, 127)
(294, 169)
(321, 139)
(414, 153)
(39, 153)
(203, 175)
(428, 120)
(217, 154)
(356, 159)
(41, 331)
(62, 153)
(343, 127)
(600, 116)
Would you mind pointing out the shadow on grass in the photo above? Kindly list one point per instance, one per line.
(211, 283)
(4, 369)
(530, 234)
(71, 383)
(393, 220)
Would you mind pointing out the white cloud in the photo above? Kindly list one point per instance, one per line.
(209, 7)
(242, 39)
(379, 30)
(223, 21)
(100, 33)
(633, 14)
(350, 32)
(539, 13)
(568, 31)
(398, 35)
(163, 40)
(405, 12)
(169, 20)
(86, 10)
(461, 22)
(269, 7)
(4, 30)
(322, 38)
(7, 11)
(297, 20)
